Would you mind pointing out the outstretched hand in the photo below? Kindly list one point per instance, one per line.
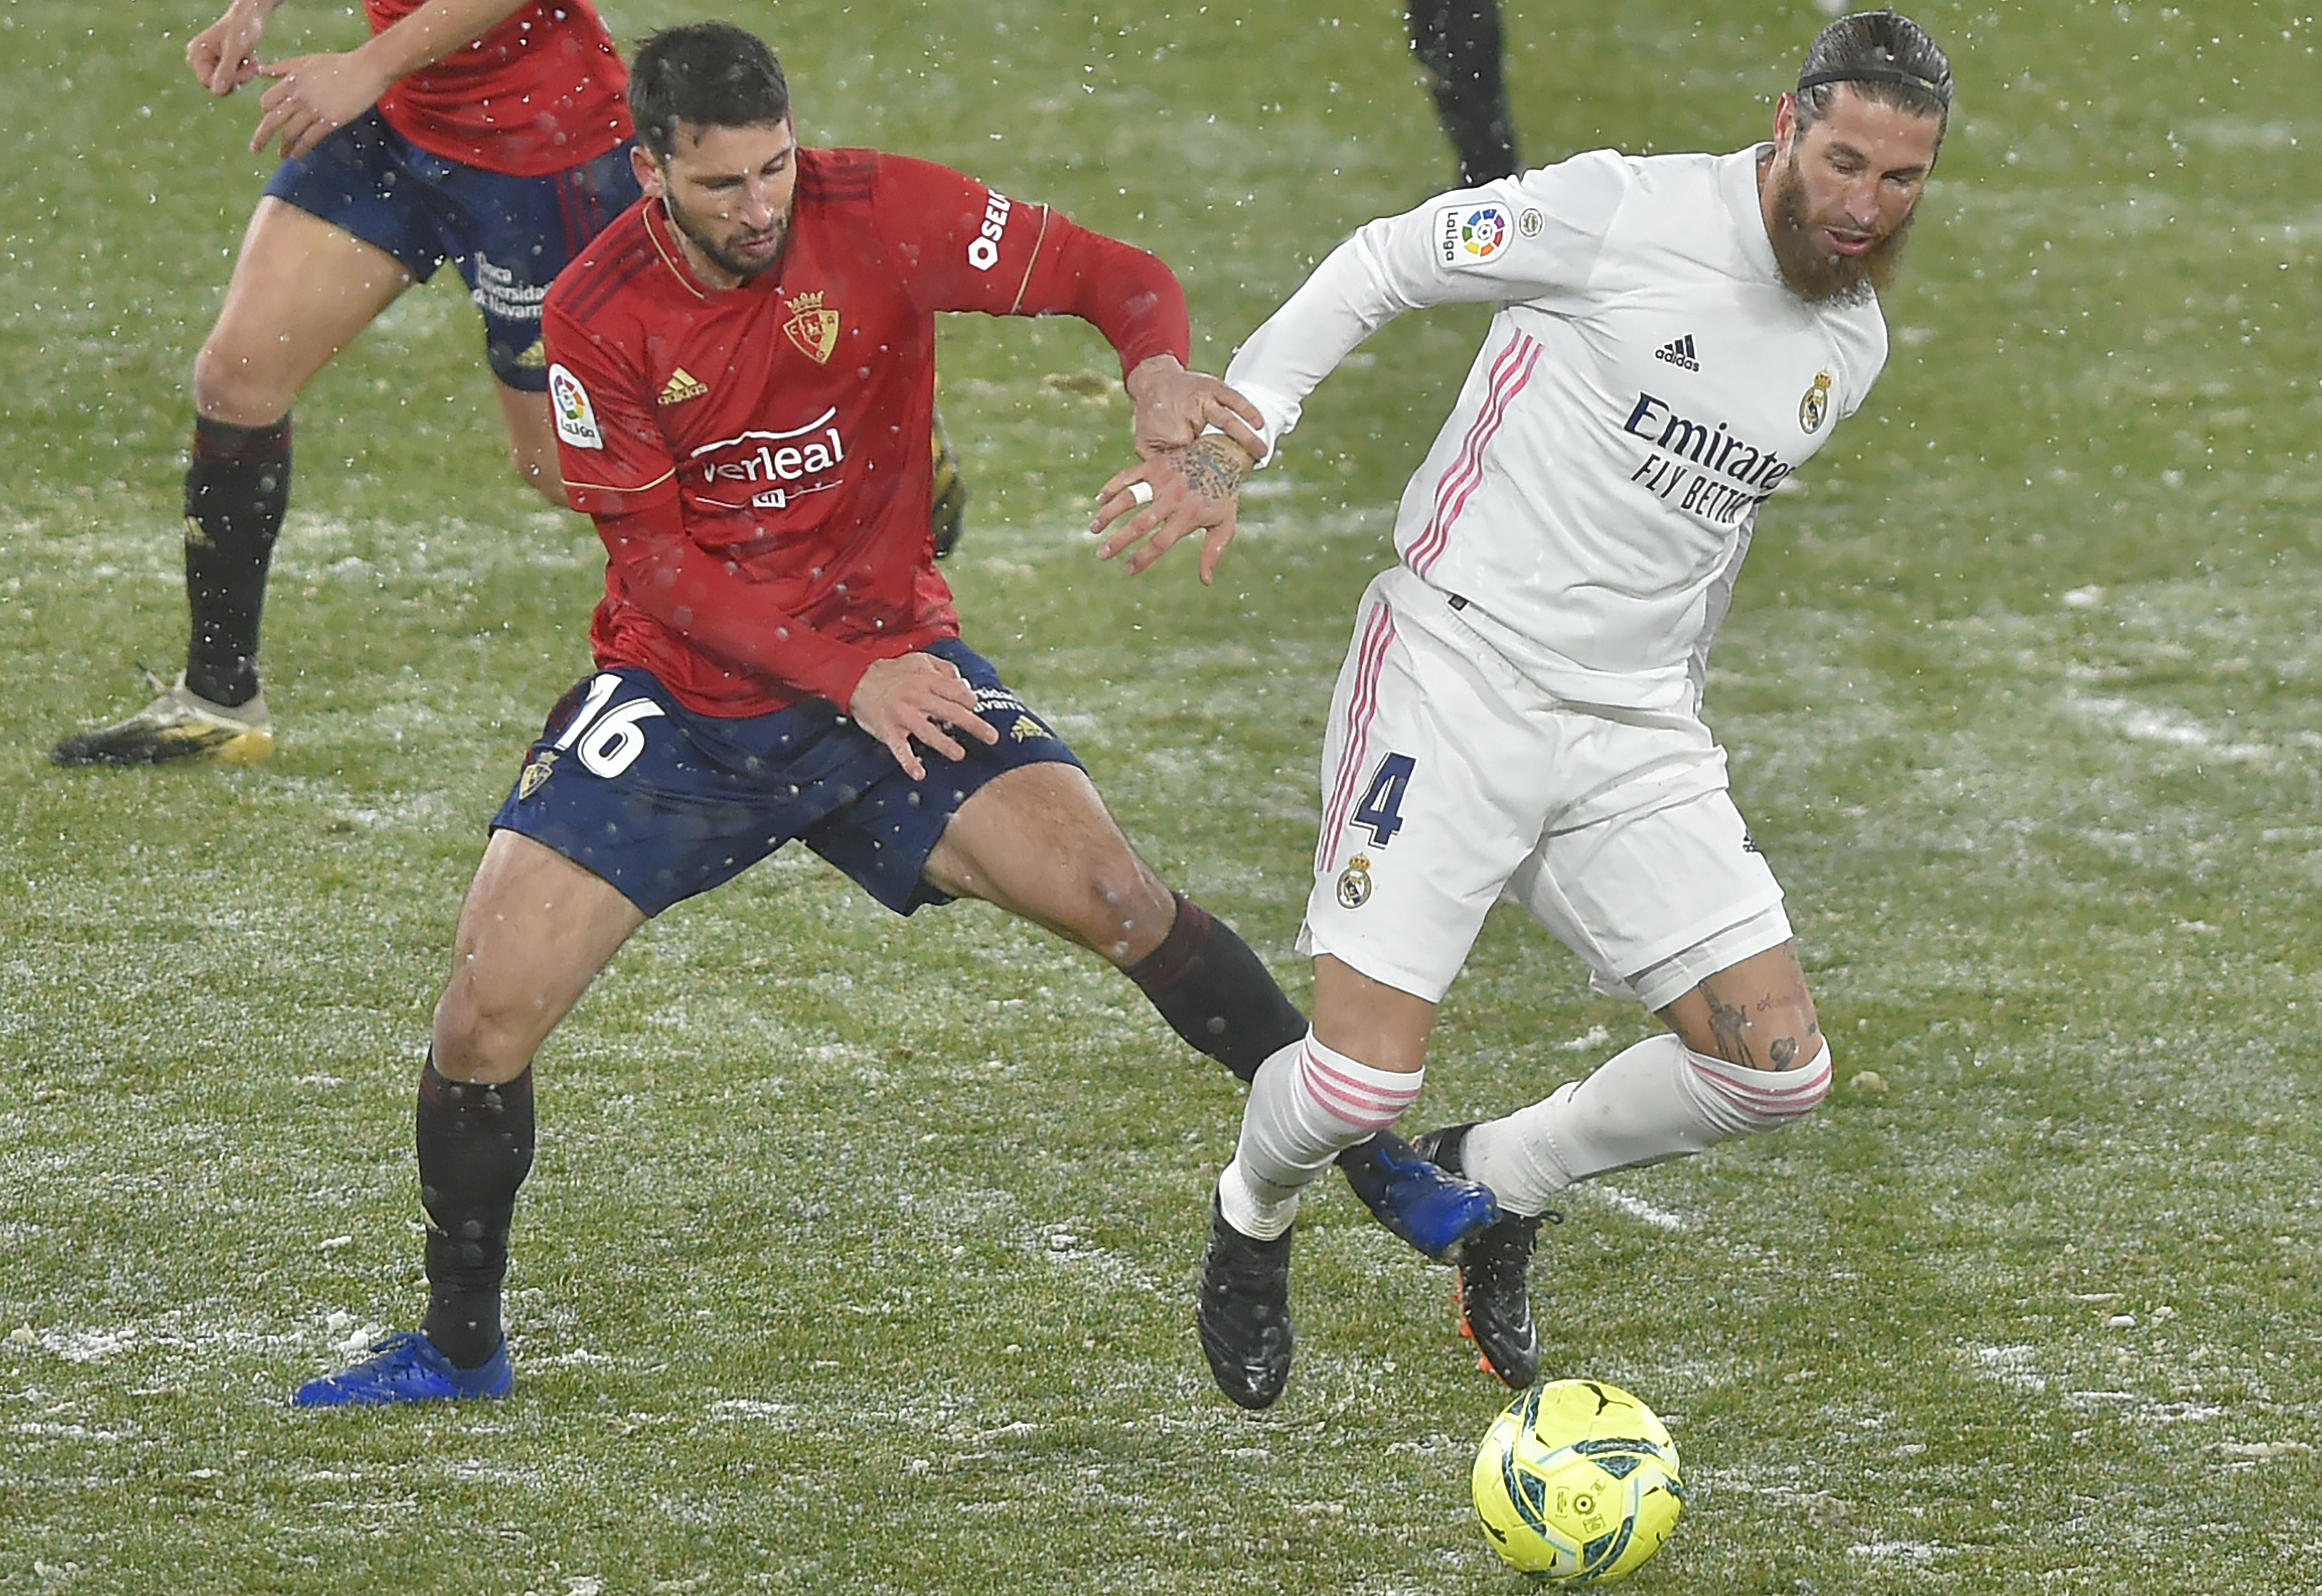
(921, 698)
(1188, 489)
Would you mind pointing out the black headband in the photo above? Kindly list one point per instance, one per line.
(1873, 75)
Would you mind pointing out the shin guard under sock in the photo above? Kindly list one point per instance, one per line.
(237, 487)
(1213, 991)
(1653, 1101)
(475, 1149)
(1306, 1106)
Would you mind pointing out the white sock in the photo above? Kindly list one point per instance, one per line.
(1656, 1100)
(1307, 1106)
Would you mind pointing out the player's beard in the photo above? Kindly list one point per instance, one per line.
(1813, 273)
(741, 268)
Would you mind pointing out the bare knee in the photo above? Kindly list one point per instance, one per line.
(1757, 1014)
(231, 386)
(479, 1038)
(1764, 1034)
(1117, 908)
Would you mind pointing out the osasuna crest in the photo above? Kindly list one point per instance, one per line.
(576, 417)
(1814, 409)
(812, 328)
(536, 773)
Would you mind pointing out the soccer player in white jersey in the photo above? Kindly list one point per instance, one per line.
(1519, 710)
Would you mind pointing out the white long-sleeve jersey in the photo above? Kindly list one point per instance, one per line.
(1647, 383)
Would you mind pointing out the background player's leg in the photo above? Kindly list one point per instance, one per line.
(1459, 43)
(531, 442)
(947, 508)
(300, 292)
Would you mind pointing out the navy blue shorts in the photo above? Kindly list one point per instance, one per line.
(509, 236)
(663, 804)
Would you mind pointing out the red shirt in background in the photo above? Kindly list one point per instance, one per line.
(543, 91)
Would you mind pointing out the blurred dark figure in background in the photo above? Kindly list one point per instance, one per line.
(1459, 43)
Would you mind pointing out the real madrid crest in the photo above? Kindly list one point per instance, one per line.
(1814, 409)
(812, 328)
(1355, 882)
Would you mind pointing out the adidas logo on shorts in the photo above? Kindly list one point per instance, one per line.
(1679, 352)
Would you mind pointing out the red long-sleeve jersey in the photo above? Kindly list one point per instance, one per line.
(543, 91)
(757, 458)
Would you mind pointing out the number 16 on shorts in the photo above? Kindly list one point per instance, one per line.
(613, 740)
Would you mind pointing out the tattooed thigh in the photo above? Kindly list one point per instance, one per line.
(1757, 1014)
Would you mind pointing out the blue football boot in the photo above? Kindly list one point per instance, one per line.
(408, 1368)
(1434, 1210)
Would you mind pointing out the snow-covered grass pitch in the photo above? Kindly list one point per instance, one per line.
(859, 1255)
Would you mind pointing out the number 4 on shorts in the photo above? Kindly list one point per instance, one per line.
(1381, 809)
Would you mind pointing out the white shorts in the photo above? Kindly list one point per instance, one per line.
(1450, 777)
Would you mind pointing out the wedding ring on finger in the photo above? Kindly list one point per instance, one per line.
(1140, 492)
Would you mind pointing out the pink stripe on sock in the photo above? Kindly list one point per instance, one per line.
(1799, 1089)
(1360, 1102)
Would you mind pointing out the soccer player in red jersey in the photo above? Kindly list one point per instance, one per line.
(742, 369)
(490, 132)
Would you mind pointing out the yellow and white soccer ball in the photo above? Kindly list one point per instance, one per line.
(1576, 1484)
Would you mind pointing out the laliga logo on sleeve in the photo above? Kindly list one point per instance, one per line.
(576, 417)
(1814, 408)
(1471, 234)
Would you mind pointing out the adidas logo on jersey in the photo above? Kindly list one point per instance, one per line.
(1679, 352)
(682, 385)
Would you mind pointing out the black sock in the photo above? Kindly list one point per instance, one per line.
(236, 488)
(1215, 994)
(1459, 43)
(475, 1149)
(1204, 980)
